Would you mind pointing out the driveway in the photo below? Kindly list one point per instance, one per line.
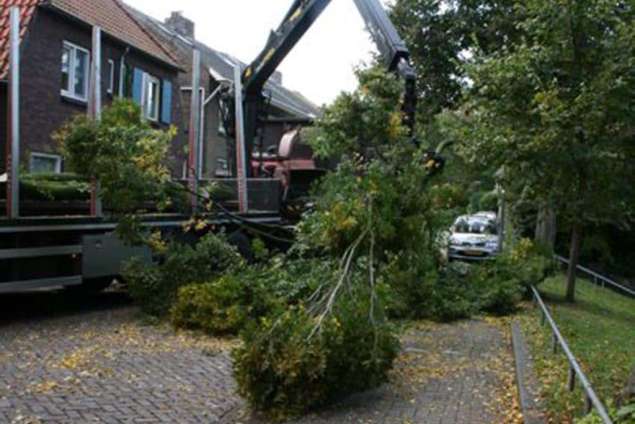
(96, 361)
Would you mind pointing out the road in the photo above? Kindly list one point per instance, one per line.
(92, 359)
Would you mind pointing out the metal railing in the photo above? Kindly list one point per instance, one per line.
(598, 279)
(575, 372)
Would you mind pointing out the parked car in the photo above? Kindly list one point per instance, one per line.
(474, 237)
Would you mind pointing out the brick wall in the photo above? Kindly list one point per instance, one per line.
(43, 108)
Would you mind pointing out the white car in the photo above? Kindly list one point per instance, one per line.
(474, 237)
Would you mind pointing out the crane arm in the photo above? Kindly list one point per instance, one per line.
(297, 21)
(299, 18)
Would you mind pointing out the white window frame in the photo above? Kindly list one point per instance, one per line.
(57, 158)
(111, 77)
(147, 80)
(70, 93)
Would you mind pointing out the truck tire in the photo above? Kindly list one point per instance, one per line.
(92, 286)
(242, 243)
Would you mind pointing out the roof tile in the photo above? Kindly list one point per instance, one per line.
(27, 9)
(110, 15)
(115, 20)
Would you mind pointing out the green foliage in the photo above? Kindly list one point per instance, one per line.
(439, 33)
(418, 288)
(554, 111)
(623, 415)
(259, 248)
(223, 305)
(220, 307)
(366, 120)
(51, 187)
(499, 290)
(599, 331)
(124, 153)
(454, 297)
(285, 368)
(155, 286)
(360, 197)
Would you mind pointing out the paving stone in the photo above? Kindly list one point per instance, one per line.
(102, 366)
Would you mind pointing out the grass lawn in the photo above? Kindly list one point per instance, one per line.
(600, 330)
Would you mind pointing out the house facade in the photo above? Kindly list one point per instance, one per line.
(55, 50)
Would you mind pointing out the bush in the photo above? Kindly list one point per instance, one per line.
(409, 281)
(527, 263)
(155, 286)
(284, 369)
(498, 293)
(454, 296)
(222, 306)
(217, 307)
(52, 187)
(459, 290)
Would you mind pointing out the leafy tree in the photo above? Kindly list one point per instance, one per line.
(127, 156)
(556, 111)
(442, 35)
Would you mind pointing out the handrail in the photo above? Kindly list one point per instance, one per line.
(596, 276)
(591, 399)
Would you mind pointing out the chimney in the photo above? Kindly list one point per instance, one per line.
(180, 24)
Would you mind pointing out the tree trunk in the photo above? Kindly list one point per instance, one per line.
(574, 255)
(546, 227)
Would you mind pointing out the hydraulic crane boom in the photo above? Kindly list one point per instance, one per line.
(299, 18)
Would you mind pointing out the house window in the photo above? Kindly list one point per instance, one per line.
(75, 64)
(111, 77)
(42, 163)
(151, 86)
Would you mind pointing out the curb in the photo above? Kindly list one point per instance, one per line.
(526, 379)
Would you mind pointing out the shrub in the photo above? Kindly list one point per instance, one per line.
(154, 286)
(217, 307)
(454, 296)
(285, 369)
(527, 263)
(52, 187)
(409, 281)
(223, 305)
(497, 293)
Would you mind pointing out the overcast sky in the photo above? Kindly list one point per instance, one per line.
(320, 66)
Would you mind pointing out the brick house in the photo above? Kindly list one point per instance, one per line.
(56, 42)
(287, 108)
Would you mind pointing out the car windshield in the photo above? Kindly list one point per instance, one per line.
(475, 226)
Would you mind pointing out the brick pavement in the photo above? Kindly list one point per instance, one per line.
(447, 374)
(104, 366)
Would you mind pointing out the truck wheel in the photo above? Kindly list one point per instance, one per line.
(92, 286)
(242, 243)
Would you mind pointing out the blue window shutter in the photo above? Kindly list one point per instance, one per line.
(137, 85)
(166, 102)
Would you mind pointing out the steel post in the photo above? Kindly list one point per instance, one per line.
(13, 142)
(571, 378)
(241, 154)
(194, 130)
(94, 111)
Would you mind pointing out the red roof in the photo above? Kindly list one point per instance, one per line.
(110, 15)
(27, 9)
